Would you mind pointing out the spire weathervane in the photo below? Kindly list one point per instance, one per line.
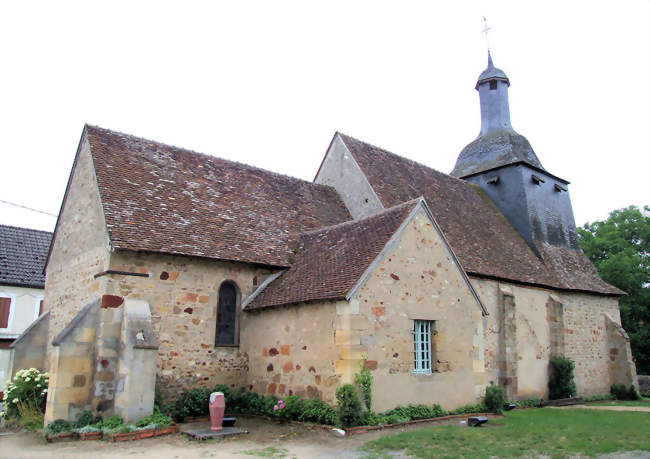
(485, 30)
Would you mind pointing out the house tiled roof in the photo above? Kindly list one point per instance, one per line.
(22, 256)
(160, 198)
(482, 238)
(330, 261)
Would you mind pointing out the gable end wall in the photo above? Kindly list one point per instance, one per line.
(341, 171)
(80, 248)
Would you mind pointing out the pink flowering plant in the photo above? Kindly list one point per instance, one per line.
(280, 406)
(27, 388)
(290, 408)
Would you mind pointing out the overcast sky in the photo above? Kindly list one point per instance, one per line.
(268, 83)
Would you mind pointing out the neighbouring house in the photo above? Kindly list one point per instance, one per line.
(177, 269)
(22, 280)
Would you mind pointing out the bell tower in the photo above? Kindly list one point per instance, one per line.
(503, 164)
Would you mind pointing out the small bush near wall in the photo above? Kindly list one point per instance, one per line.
(363, 380)
(561, 383)
(25, 397)
(195, 402)
(348, 413)
(495, 397)
(620, 392)
(349, 405)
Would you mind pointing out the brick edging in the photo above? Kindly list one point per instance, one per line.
(358, 429)
(365, 429)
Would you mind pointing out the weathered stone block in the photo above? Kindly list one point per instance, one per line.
(346, 337)
(355, 352)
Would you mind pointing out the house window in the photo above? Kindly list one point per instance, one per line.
(5, 311)
(422, 346)
(39, 307)
(493, 85)
(227, 315)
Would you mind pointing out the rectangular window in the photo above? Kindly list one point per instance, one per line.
(422, 346)
(39, 303)
(5, 309)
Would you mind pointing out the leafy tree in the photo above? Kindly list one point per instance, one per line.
(619, 247)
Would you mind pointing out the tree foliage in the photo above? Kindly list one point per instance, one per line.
(619, 247)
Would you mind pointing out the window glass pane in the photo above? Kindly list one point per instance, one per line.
(422, 346)
(5, 305)
(227, 314)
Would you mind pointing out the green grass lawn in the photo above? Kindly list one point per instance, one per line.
(644, 402)
(544, 431)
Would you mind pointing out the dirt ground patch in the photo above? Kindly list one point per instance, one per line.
(266, 439)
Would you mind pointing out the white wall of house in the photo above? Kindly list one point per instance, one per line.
(24, 309)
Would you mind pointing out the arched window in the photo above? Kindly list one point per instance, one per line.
(227, 315)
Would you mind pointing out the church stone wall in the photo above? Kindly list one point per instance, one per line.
(416, 280)
(80, 249)
(292, 350)
(538, 313)
(183, 294)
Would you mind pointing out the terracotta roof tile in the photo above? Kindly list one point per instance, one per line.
(161, 198)
(330, 261)
(22, 256)
(482, 238)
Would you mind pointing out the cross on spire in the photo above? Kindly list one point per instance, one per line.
(485, 30)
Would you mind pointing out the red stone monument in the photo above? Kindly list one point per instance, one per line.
(217, 409)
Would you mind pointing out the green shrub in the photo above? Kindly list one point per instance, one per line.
(317, 411)
(561, 383)
(156, 419)
(193, 402)
(30, 415)
(620, 392)
(529, 402)
(370, 418)
(112, 422)
(85, 419)
(58, 426)
(413, 412)
(393, 419)
(495, 397)
(363, 380)
(29, 387)
(470, 409)
(293, 408)
(348, 405)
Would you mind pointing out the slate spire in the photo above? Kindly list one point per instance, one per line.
(497, 144)
(503, 164)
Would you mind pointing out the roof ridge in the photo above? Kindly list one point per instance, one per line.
(404, 158)
(369, 217)
(25, 229)
(206, 155)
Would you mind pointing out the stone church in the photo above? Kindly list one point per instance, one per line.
(174, 269)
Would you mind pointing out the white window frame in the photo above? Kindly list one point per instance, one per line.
(12, 309)
(38, 306)
(422, 357)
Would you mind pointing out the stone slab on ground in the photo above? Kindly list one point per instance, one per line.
(205, 433)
